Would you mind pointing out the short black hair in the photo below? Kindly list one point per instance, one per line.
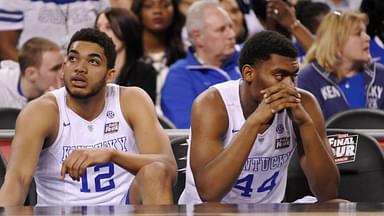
(307, 11)
(261, 45)
(100, 38)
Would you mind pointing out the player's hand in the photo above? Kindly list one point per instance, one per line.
(285, 96)
(78, 161)
(275, 99)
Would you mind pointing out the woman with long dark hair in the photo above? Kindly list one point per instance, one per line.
(161, 25)
(124, 29)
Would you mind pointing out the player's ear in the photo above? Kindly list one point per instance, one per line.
(111, 75)
(248, 72)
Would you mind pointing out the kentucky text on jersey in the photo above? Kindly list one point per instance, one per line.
(266, 163)
(117, 144)
(330, 92)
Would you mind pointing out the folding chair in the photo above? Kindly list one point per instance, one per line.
(180, 149)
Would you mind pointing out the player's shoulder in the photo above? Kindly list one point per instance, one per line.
(209, 103)
(132, 92)
(211, 95)
(135, 100)
(43, 105)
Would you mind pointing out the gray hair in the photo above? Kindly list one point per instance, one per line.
(195, 19)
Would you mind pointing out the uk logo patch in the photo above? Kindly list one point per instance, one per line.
(280, 128)
(344, 147)
(111, 127)
(110, 114)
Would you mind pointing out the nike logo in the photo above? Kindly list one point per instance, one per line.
(66, 124)
(235, 131)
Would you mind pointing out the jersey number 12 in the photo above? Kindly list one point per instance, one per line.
(99, 177)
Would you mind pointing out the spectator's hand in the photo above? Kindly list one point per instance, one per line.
(78, 161)
(282, 12)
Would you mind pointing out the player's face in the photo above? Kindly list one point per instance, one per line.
(273, 71)
(85, 70)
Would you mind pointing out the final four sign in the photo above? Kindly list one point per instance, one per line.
(344, 147)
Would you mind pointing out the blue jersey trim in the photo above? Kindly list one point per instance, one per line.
(16, 12)
(8, 19)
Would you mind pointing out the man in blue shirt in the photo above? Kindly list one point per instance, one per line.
(211, 59)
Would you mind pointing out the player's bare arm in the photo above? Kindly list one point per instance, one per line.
(317, 161)
(153, 142)
(36, 125)
(320, 170)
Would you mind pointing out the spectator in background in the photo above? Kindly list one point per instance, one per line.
(375, 11)
(252, 22)
(341, 5)
(211, 59)
(183, 6)
(126, 4)
(21, 20)
(310, 14)
(38, 70)
(162, 24)
(232, 8)
(124, 28)
(280, 16)
(339, 73)
(239, 24)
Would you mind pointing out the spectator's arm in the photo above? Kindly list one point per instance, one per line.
(285, 15)
(8, 44)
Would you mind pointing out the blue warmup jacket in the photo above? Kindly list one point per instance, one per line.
(186, 79)
(331, 98)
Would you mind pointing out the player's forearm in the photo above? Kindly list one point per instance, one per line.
(134, 162)
(227, 166)
(320, 169)
(13, 192)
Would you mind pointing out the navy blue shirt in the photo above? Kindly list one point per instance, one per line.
(331, 98)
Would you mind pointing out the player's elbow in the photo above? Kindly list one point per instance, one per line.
(328, 190)
(207, 196)
(208, 191)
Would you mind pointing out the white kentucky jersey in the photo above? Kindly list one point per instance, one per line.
(102, 184)
(264, 174)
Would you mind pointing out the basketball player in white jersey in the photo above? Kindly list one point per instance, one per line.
(243, 135)
(90, 143)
